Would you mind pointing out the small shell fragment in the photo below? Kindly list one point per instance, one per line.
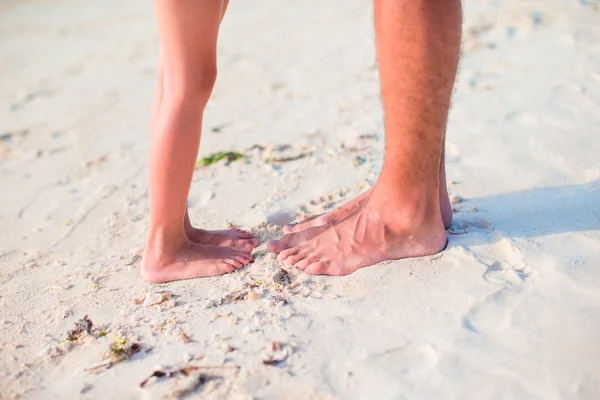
(152, 298)
(282, 277)
(454, 199)
(209, 304)
(253, 295)
(185, 338)
(169, 304)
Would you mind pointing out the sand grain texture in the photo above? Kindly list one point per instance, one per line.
(510, 310)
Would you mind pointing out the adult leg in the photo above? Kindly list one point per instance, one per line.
(188, 30)
(355, 204)
(418, 45)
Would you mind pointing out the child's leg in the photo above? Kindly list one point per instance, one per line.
(188, 31)
(230, 237)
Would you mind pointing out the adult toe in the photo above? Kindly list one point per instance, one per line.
(284, 254)
(305, 262)
(317, 268)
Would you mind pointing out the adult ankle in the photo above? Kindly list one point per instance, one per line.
(408, 211)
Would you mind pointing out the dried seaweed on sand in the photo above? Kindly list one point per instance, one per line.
(228, 156)
(84, 325)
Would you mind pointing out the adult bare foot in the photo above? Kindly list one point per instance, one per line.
(339, 213)
(366, 237)
(350, 207)
(182, 259)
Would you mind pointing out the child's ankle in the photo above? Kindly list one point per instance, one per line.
(166, 240)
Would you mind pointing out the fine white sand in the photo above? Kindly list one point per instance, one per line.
(510, 310)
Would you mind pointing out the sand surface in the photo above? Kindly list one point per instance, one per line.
(510, 310)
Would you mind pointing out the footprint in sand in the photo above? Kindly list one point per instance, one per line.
(463, 227)
(493, 312)
(397, 364)
(397, 361)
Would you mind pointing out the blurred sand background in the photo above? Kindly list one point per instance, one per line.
(510, 310)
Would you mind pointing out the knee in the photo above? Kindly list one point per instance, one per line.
(192, 88)
(202, 83)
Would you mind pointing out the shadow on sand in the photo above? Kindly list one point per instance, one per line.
(538, 212)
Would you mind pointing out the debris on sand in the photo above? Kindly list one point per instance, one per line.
(209, 304)
(278, 301)
(278, 353)
(120, 350)
(275, 359)
(169, 304)
(200, 377)
(285, 153)
(134, 260)
(368, 136)
(282, 277)
(86, 388)
(455, 199)
(253, 295)
(252, 291)
(84, 325)
(217, 128)
(8, 136)
(185, 338)
(228, 156)
(233, 297)
(150, 299)
(285, 158)
(155, 374)
(257, 147)
(358, 160)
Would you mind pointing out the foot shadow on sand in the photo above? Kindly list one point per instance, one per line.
(533, 213)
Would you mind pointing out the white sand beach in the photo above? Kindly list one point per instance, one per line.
(510, 310)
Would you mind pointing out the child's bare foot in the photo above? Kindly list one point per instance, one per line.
(349, 208)
(371, 235)
(232, 237)
(176, 259)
